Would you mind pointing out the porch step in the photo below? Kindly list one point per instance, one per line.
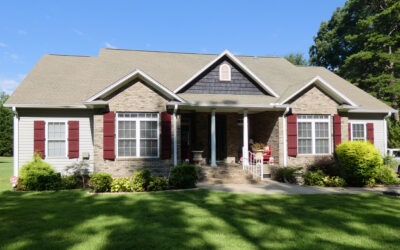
(225, 175)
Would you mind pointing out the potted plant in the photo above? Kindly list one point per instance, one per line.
(258, 148)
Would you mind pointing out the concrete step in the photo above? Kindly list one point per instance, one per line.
(225, 175)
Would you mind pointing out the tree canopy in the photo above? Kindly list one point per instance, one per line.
(361, 43)
(296, 59)
(6, 127)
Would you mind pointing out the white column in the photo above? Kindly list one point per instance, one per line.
(213, 141)
(175, 139)
(245, 139)
(15, 143)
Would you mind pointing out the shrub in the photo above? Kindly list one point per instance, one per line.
(38, 175)
(287, 174)
(101, 182)
(314, 178)
(141, 180)
(328, 165)
(386, 175)
(158, 184)
(184, 176)
(334, 181)
(122, 184)
(79, 170)
(359, 161)
(71, 182)
(391, 162)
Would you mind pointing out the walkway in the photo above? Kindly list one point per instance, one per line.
(274, 187)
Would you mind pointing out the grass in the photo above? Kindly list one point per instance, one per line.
(195, 220)
(6, 172)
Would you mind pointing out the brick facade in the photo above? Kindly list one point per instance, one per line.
(134, 97)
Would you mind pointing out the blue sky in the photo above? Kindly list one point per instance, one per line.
(29, 29)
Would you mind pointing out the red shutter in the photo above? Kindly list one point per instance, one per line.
(370, 132)
(73, 139)
(292, 134)
(39, 138)
(166, 135)
(108, 136)
(337, 129)
(349, 131)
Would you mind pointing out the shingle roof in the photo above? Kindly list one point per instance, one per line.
(70, 80)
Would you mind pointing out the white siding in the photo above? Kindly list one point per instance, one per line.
(26, 119)
(379, 128)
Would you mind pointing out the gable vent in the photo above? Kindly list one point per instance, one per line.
(225, 72)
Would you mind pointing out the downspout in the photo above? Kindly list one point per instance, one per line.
(385, 131)
(15, 140)
(175, 136)
(285, 137)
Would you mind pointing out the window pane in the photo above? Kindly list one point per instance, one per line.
(322, 146)
(56, 148)
(304, 129)
(358, 131)
(127, 129)
(321, 130)
(148, 148)
(127, 148)
(305, 146)
(56, 130)
(148, 129)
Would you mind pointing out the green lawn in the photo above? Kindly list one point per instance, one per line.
(195, 220)
(6, 171)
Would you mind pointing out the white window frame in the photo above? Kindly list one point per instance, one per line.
(313, 138)
(229, 78)
(359, 123)
(137, 120)
(47, 139)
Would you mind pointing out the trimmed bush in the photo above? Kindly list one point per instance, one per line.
(158, 184)
(71, 182)
(184, 176)
(314, 178)
(38, 175)
(334, 181)
(141, 180)
(328, 165)
(390, 161)
(386, 175)
(287, 174)
(101, 182)
(359, 160)
(122, 184)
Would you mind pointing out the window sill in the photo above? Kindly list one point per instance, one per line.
(327, 154)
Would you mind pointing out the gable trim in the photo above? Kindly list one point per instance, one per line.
(324, 83)
(137, 72)
(239, 64)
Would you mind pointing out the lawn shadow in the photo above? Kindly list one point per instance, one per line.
(199, 219)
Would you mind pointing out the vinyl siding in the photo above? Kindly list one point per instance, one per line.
(379, 128)
(26, 119)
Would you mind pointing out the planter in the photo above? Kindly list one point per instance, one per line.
(198, 157)
(259, 154)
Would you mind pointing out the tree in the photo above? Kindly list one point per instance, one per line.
(394, 133)
(296, 59)
(361, 42)
(6, 127)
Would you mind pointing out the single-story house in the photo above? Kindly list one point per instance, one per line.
(128, 109)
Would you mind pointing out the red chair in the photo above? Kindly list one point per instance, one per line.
(267, 155)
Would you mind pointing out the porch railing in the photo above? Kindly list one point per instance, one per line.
(252, 164)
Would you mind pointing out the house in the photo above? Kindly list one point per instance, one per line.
(128, 109)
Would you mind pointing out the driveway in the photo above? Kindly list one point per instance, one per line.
(274, 187)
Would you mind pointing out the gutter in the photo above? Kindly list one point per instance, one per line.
(45, 106)
(385, 131)
(285, 136)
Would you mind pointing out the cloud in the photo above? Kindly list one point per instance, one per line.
(110, 46)
(78, 32)
(3, 45)
(14, 57)
(22, 32)
(9, 85)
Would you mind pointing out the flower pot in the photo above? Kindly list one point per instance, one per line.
(198, 157)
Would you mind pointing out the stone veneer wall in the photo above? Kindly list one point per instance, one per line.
(134, 97)
(264, 127)
(314, 101)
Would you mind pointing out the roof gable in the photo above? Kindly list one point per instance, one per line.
(236, 62)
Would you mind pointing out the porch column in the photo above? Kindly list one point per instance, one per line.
(175, 138)
(16, 138)
(245, 139)
(213, 140)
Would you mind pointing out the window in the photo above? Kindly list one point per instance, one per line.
(224, 72)
(313, 134)
(56, 139)
(358, 132)
(137, 135)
